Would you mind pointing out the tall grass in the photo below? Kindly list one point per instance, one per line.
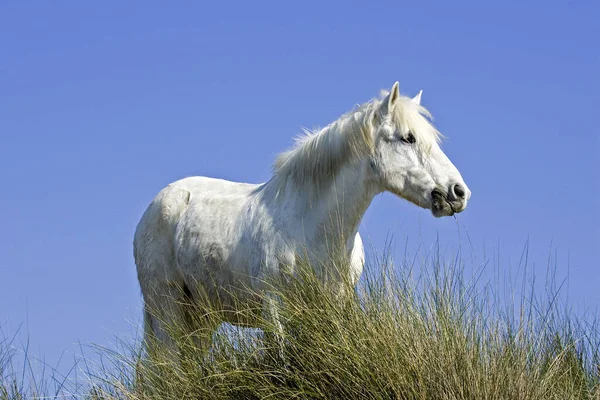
(23, 376)
(435, 334)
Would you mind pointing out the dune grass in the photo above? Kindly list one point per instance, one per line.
(436, 334)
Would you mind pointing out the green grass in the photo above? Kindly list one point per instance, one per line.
(435, 336)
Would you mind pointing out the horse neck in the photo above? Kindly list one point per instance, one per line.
(330, 214)
(344, 203)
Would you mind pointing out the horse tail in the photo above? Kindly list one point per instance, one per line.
(153, 246)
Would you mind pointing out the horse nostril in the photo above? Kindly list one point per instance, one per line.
(459, 191)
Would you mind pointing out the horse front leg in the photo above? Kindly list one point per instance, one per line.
(275, 332)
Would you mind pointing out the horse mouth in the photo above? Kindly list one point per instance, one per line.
(441, 206)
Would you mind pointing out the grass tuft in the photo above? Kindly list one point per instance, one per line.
(395, 336)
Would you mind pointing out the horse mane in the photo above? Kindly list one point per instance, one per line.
(318, 155)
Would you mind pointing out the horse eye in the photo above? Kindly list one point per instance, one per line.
(409, 138)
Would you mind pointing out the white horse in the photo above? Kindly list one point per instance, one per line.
(229, 238)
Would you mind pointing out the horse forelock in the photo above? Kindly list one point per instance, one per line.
(410, 116)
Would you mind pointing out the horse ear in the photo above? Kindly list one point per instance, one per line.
(393, 96)
(417, 98)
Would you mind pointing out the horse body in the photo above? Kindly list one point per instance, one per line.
(229, 238)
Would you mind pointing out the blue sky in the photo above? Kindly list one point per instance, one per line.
(104, 103)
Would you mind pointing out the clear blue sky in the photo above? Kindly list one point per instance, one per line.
(104, 103)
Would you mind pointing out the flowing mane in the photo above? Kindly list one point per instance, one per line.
(318, 155)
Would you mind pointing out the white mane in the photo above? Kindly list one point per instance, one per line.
(318, 155)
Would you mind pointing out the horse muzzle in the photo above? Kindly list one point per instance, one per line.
(444, 204)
